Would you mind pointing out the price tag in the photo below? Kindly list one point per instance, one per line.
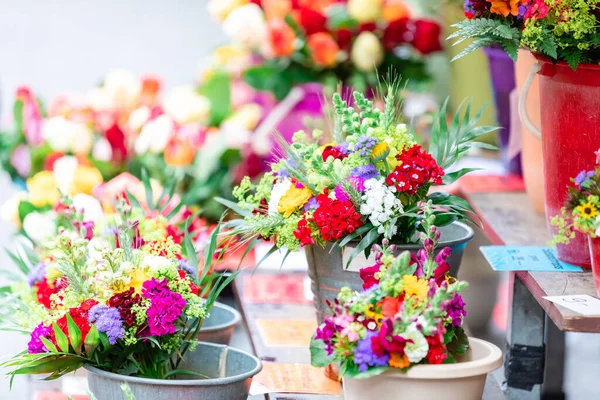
(580, 303)
(526, 258)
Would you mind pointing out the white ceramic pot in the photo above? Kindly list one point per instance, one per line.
(463, 380)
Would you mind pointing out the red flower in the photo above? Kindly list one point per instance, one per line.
(395, 33)
(368, 276)
(390, 307)
(437, 350)
(195, 290)
(333, 152)
(336, 219)
(51, 159)
(417, 169)
(427, 36)
(312, 21)
(80, 317)
(387, 341)
(43, 293)
(469, 14)
(367, 27)
(116, 138)
(303, 233)
(123, 302)
(344, 37)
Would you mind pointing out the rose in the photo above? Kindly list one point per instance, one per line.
(39, 227)
(281, 38)
(66, 136)
(365, 10)
(89, 206)
(121, 90)
(154, 135)
(246, 26)
(427, 36)
(323, 49)
(220, 9)
(185, 106)
(367, 52)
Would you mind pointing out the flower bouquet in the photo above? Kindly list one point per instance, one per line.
(581, 213)
(297, 42)
(408, 315)
(340, 195)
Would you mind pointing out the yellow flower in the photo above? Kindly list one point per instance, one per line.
(398, 360)
(137, 280)
(85, 179)
(380, 152)
(293, 199)
(587, 210)
(371, 314)
(415, 286)
(52, 273)
(42, 189)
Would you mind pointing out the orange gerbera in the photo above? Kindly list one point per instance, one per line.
(505, 7)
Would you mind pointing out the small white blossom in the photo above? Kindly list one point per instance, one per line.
(418, 349)
(279, 190)
(380, 203)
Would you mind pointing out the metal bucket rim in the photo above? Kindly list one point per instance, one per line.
(186, 382)
(235, 321)
(468, 235)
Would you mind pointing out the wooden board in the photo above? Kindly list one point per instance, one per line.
(509, 220)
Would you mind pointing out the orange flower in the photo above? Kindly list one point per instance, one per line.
(390, 307)
(323, 48)
(276, 9)
(179, 153)
(316, 5)
(150, 88)
(505, 7)
(282, 38)
(394, 10)
(398, 360)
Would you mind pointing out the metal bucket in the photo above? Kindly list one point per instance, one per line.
(219, 326)
(230, 373)
(326, 265)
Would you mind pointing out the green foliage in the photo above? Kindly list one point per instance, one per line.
(486, 32)
(318, 355)
(217, 89)
(459, 344)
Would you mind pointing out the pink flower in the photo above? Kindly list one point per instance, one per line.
(32, 119)
(343, 320)
(350, 333)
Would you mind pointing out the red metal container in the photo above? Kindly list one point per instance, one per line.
(570, 110)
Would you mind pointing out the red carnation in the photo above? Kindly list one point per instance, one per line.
(395, 33)
(417, 168)
(123, 302)
(427, 36)
(312, 21)
(333, 152)
(303, 233)
(335, 219)
(80, 317)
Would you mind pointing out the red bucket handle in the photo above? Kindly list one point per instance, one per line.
(535, 131)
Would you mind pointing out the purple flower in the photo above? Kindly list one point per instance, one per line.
(340, 194)
(37, 273)
(365, 172)
(456, 310)
(165, 307)
(311, 204)
(364, 356)
(364, 145)
(325, 333)
(583, 176)
(186, 267)
(35, 345)
(343, 147)
(358, 183)
(283, 173)
(108, 320)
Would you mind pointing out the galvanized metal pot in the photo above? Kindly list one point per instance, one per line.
(230, 373)
(219, 326)
(328, 272)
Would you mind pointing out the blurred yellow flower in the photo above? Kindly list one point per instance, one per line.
(380, 152)
(414, 286)
(293, 199)
(85, 179)
(365, 10)
(42, 189)
(137, 280)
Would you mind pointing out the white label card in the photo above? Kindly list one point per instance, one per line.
(581, 303)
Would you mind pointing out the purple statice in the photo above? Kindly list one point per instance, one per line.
(340, 193)
(108, 320)
(186, 267)
(37, 273)
(456, 310)
(364, 145)
(583, 176)
(165, 307)
(311, 204)
(35, 345)
(365, 172)
(344, 148)
(364, 356)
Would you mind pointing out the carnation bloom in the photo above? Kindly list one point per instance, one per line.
(165, 307)
(35, 345)
(304, 233)
(323, 49)
(427, 36)
(108, 320)
(123, 302)
(417, 168)
(335, 219)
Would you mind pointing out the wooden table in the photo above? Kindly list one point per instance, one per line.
(509, 220)
(280, 327)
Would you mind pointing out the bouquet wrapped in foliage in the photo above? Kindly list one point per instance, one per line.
(123, 295)
(582, 211)
(563, 30)
(410, 312)
(296, 42)
(369, 182)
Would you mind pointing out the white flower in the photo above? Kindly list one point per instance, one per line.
(220, 9)
(279, 190)
(40, 226)
(102, 150)
(185, 105)
(154, 135)
(123, 88)
(9, 211)
(418, 349)
(89, 205)
(367, 52)
(246, 26)
(138, 118)
(64, 173)
(155, 264)
(97, 246)
(380, 204)
(67, 136)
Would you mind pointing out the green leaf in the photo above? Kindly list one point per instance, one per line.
(573, 58)
(23, 267)
(371, 372)
(92, 340)
(49, 345)
(61, 339)
(460, 343)
(217, 89)
(18, 115)
(74, 334)
(318, 354)
(262, 77)
(271, 251)
(148, 189)
(234, 206)
(132, 199)
(367, 241)
(50, 365)
(25, 208)
(548, 45)
(454, 176)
